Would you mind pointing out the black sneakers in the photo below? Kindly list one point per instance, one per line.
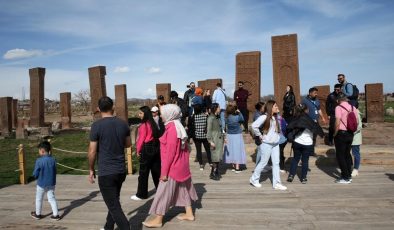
(304, 180)
(55, 218)
(290, 178)
(35, 216)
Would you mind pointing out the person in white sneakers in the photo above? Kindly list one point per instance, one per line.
(267, 128)
(357, 141)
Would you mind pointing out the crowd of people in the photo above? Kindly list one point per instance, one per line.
(168, 128)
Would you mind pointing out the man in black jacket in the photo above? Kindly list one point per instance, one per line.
(331, 103)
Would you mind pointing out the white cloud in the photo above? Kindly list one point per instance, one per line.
(122, 69)
(333, 8)
(22, 53)
(149, 93)
(153, 70)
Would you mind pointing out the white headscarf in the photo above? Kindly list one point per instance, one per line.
(172, 113)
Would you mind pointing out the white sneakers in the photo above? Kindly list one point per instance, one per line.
(355, 172)
(134, 197)
(257, 185)
(279, 186)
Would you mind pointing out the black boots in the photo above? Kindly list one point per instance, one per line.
(214, 172)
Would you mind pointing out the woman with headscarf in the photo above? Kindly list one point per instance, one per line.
(175, 187)
(198, 98)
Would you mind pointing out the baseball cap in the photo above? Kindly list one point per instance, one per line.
(154, 109)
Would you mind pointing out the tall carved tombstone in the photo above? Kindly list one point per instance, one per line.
(202, 84)
(37, 104)
(97, 87)
(210, 84)
(6, 116)
(14, 113)
(285, 66)
(322, 94)
(65, 109)
(374, 102)
(248, 70)
(163, 89)
(121, 102)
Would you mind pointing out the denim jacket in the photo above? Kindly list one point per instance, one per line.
(234, 123)
(45, 171)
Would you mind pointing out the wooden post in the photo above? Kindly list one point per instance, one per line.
(22, 166)
(129, 161)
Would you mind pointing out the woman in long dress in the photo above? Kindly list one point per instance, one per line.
(175, 186)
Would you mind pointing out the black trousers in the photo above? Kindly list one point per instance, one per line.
(149, 162)
(110, 186)
(331, 129)
(207, 148)
(282, 156)
(343, 145)
(245, 114)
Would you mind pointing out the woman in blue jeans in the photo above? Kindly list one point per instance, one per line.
(304, 128)
(267, 129)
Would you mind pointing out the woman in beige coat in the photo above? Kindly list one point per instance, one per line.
(357, 141)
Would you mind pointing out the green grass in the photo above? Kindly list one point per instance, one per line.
(75, 141)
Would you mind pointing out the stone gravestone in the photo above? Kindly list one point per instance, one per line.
(21, 132)
(210, 84)
(97, 88)
(248, 70)
(322, 94)
(65, 109)
(6, 116)
(202, 84)
(121, 102)
(374, 102)
(14, 113)
(37, 104)
(285, 66)
(163, 89)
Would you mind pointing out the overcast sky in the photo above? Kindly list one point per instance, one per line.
(142, 43)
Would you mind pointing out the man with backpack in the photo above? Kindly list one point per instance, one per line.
(350, 90)
(345, 126)
(219, 96)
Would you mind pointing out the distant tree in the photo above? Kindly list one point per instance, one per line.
(81, 99)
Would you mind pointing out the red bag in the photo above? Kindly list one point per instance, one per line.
(351, 120)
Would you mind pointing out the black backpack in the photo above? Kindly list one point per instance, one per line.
(355, 94)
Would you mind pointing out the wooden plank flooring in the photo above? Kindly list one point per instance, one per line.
(367, 203)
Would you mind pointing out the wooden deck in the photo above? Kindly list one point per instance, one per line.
(367, 203)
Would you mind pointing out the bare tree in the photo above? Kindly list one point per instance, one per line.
(81, 99)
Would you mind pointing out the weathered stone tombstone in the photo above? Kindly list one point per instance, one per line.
(14, 113)
(374, 102)
(37, 103)
(210, 84)
(65, 109)
(285, 66)
(97, 88)
(121, 102)
(248, 70)
(6, 116)
(163, 89)
(21, 132)
(322, 94)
